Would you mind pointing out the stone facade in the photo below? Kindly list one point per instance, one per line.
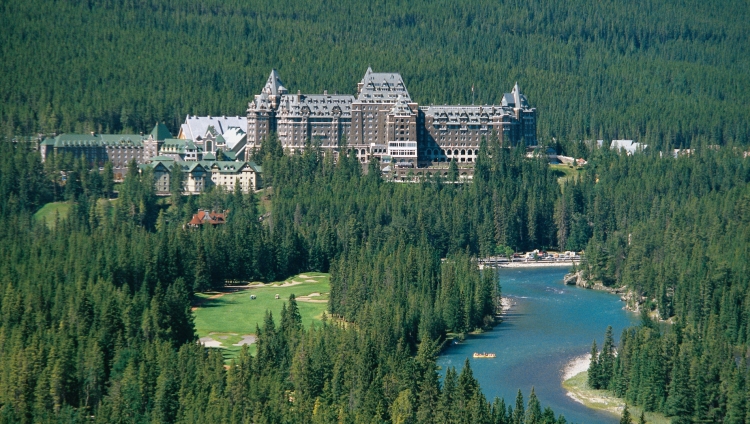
(383, 122)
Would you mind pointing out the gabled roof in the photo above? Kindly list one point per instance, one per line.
(231, 155)
(164, 161)
(401, 108)
(206, 217)
(316, 105)
(274, 86)
(383, 86)
(160, 132)
(177, 145)
(120, 139)
(233, 136)
(226, 166)
(94, 140)
(256, 167)
(515, 98)
(468, 114)
(192, 166)
(197, 126)
(628, 145)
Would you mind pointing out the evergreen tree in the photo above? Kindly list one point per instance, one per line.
(625, 417)
(534, 410)
(594, 373)
(605, 362)
(519, 411)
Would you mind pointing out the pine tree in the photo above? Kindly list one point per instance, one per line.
(201, 279)
(606, 361)
(625, 417)
(594, 373)
(534, 410)
(736, 408)
(519, 413)
(453, 171)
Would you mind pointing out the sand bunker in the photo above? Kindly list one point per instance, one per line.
(247, 339)
(288, 284)
(309, 299)
(209, 342)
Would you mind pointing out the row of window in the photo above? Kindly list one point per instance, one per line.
(455, 152)
(399, 152)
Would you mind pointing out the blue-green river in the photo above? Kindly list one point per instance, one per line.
(550, 324)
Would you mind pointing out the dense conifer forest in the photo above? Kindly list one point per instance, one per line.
(95, 320)
(96, 308)
(654, 71)
(678, 235)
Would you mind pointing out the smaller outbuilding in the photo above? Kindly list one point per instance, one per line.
(204, 217)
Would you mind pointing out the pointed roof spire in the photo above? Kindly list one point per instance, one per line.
(517, 95)
(160, 132)
(274, 86)
(401, 107)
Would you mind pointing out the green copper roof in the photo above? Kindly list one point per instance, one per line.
(161, 132)
(95, 140)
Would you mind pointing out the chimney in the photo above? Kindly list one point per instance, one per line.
(325, 92)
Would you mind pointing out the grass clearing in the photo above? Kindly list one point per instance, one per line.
(47, 212)
(227, 317)
(564, 173)
(603, 400)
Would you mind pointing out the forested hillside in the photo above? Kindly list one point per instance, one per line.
(677, 233)
(659, 72)
(95, 310)
(96, 314)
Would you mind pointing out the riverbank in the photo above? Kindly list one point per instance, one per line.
(575, 377)
(530, 264)
(531, 348)
(633, 301)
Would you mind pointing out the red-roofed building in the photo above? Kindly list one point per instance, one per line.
(206, 217)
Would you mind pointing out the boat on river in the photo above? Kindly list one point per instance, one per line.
(484, 355)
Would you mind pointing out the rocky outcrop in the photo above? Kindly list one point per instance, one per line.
(577, 278)
(633, 301)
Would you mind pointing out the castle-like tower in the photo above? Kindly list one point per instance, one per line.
(384, 121)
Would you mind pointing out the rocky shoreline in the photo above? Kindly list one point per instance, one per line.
(632, 300)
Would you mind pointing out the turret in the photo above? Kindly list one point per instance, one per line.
(274, 88)
(517, 95)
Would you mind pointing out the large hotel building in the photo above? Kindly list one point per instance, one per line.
(382, 120)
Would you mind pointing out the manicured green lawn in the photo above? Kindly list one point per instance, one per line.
(47, 212)
(228, 317)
